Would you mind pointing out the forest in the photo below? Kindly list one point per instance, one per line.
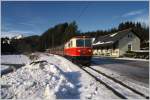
(59, 34)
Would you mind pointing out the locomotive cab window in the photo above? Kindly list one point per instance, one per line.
(87, 43)
(83, 43)
(80, 43)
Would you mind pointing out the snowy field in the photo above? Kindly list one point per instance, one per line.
(8, 62)
(4, 67)
(14, 59)
(51, 77)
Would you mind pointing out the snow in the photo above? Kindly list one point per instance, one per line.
(51, 77)
(49, 94)
(18, 36)
(14, 59)
(86, 85)
(140, 51)
(4, 67)
(122, 90)
(32, 81)
(93, 39)
(12, 62)
(132, 83)
(134, 59)
(112, 35)
(103, 42)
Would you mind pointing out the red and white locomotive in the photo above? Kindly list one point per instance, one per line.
(79, 49)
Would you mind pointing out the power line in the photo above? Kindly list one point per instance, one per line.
(83, 10)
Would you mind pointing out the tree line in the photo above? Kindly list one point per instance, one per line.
(141, 29)
(59, 34)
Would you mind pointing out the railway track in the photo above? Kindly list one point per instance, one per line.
(116, 86)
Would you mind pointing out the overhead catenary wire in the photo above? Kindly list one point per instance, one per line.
(82, 11)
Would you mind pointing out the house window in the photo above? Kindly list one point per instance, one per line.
(114, 47)
(129, 47)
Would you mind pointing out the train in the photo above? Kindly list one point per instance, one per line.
(78, 49)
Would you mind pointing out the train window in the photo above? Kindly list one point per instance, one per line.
(70, 43)
(80, 43)
(87, 43)
(83, 43)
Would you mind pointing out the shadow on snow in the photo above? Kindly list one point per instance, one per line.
(70, 92)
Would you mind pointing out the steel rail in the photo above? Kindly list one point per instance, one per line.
(121, 83)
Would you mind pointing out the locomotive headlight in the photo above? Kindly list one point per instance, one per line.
(78, 50)
(90, 50)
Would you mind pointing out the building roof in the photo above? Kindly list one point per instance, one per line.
(112, 38)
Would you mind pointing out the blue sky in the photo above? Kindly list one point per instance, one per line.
(32, 17)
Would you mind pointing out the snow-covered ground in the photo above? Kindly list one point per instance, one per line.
(14, 59)
(50, 77)
(7, 61)
(132, 83)
(4, 67)
(122, 58)
(118, 87)
(134, 59)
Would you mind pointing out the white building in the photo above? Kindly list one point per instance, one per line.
(116, 44)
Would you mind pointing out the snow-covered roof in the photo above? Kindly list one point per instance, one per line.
(112, 35)
(111, 38)
(102, 42)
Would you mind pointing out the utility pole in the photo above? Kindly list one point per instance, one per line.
(52, 43)
(52, 40)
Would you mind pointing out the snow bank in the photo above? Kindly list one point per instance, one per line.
(86, 86)
(52, 77)
(4, 67)
(38, 80)
(14, 59)
(12, 62)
